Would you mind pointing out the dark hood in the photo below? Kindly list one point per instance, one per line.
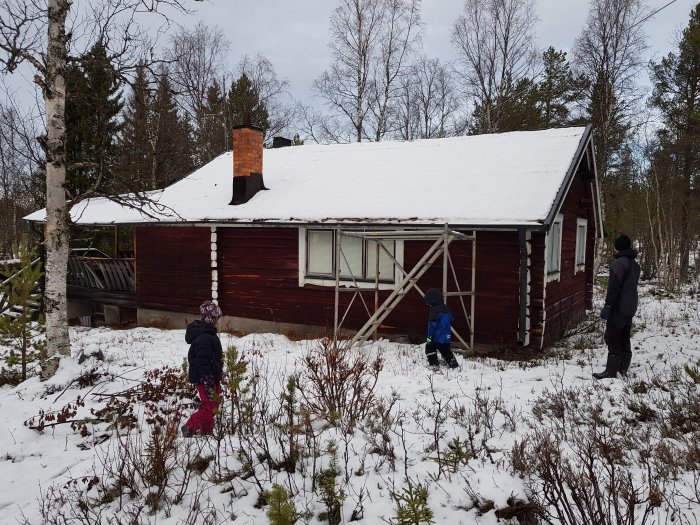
(433, 297)
(197, 328)
(631, 253)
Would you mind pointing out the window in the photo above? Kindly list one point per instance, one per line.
(554, 248)
(581, 234)
(357, 258)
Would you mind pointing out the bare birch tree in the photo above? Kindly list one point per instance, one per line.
(34, 31)
(495, 50)
(609, 53)
(400, 34)
(272, 91)
(346, 85)
(197, 61)
(437, 100)
(371, 41)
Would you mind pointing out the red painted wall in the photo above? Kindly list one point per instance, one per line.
(259, 279)
(172, 267)
(567, 299)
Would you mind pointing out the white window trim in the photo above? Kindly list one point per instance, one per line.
(304, 280)
(580, 267)
(554, 276)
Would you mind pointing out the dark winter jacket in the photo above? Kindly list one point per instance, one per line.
(622, 284)
(439, 318)
(205, 357)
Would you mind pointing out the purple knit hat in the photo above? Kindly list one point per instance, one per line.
(210, 312)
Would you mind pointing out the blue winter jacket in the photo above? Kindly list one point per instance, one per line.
(439, 319)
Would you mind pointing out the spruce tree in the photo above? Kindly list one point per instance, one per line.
(172, 151)
(156, 143)
(214, 135)
(243, 100)
(135, 141)
(93, 104)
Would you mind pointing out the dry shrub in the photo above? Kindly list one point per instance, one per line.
(339, 382)
(590, 478)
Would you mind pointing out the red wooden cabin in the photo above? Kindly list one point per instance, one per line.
(263, 242)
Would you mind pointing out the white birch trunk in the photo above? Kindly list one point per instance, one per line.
(57, 234)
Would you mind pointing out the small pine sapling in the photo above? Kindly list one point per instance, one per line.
(23, 331)
(282, 510)
(412, 505)
(331, 494)
(235, 369)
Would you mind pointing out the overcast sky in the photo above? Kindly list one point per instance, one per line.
(294, 34)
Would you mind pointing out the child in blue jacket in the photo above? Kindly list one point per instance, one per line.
(439, 330)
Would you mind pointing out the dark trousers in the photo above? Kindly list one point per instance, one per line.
(431, 350)
(618, 330)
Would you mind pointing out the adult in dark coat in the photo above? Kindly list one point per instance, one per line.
(439, 330)
(205, 364)
(620, 306)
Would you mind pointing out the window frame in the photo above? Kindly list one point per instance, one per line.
(305, 277)
(581, 266)
(554, 275)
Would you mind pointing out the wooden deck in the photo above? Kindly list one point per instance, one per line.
(102, 281)
(115, 275)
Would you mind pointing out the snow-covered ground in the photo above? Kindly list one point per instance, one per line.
(489, 405)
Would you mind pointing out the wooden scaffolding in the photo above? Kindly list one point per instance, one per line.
(406, 280)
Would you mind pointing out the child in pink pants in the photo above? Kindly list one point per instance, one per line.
(205, 359)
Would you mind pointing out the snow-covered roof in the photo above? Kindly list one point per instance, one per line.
(507, 179)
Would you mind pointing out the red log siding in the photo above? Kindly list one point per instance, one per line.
(497, 291)
(173, 267)
(258, 278)
(567, 299)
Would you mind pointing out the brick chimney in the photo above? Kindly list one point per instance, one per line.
(247, 163)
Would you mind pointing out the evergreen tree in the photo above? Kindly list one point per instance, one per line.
(156, 142)
(517, 111)
(557, 90)
(135, 141)
(677, 95)
(243, 100)
(172, 151)
(93, 103)
(214, 135)
(22, 330)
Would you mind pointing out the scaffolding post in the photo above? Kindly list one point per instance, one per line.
(336, 255)
(473, 290)
(409, 279)
(444, 263)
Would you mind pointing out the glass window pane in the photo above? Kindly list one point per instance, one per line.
(352, 252)
(320, 252)
(581, 244)
(386, 265)
(553, 244)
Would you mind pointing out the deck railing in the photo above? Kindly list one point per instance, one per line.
(101, 273)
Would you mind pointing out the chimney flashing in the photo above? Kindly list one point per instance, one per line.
(245, 187)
